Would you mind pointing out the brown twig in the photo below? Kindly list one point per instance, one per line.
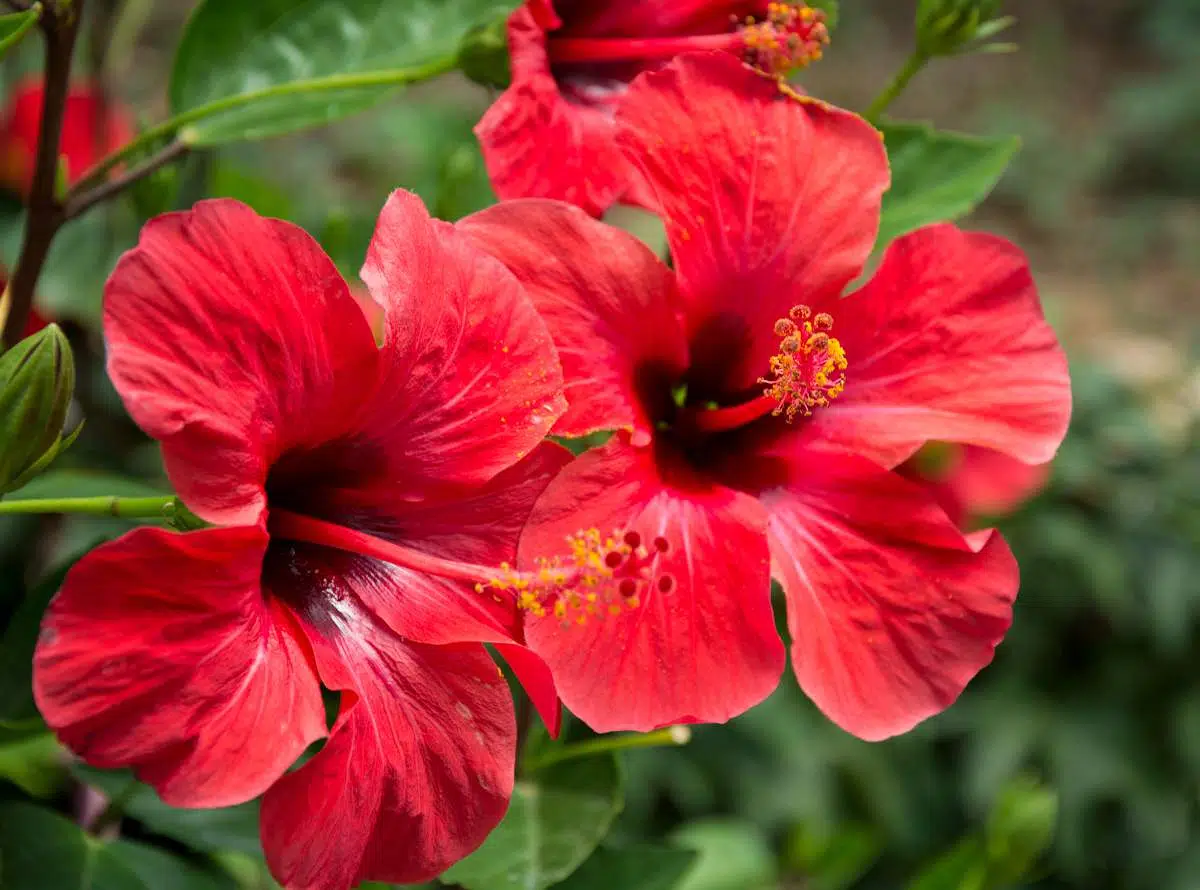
(60, 28)
(78, 204)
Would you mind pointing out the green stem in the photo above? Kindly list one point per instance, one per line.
(171, 126)
(672, 736)
(899, 83)
(122, 508)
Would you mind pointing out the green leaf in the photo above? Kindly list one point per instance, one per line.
(159, 870)
(226, 829)
(86, 484)
(17, 647)
(552, 826)
(640, 867)
(34, 764)
(962, 868)
(833, 859)
(276, 66)
(267, 199)
(937, 175)
(1020, 828)
(41, 850)
(733, 856)
(15, 26)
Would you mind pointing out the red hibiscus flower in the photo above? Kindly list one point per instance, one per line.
(971, 482)
(758, 413)
(92, 128)
(552, 135)
(355, 484)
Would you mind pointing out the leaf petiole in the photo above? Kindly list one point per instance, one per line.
(122, 508)
(672, 736)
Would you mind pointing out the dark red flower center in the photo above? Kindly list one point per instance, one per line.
(807, 373)
(790, 37)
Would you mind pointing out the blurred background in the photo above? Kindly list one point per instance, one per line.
(1095, 694)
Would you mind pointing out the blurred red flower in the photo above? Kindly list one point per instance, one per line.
(198, 658)
(35, 323)
(758, 414)
(551, 134)
(93, 127)
(972, 483)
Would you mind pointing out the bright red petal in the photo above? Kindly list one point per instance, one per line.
(704, 652)
(948, 343)
(655, 18)
(770, 200)
(471, 381)
(417, 772)
(892, 611)
(232, 338)
(610, 303)
(971, 483)
(539, 145)
(161, 653)
(537, 680)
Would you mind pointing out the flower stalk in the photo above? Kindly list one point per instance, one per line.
(60, 28)
(912, 67)
(122, 508)
(671, 737)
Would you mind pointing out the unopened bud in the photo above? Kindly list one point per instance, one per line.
(37, 382)
(952, 27)
(483, 54)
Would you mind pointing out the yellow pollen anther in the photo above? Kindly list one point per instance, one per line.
(792, 36)
(809, 370)
(600, 574)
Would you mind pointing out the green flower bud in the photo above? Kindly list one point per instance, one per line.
(37, 381)
(483, 54)
(951, 27)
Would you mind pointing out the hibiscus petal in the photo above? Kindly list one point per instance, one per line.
(770, 200)
(704, 652)
(231, 337)
(891, 610)
(947, 342)
(161, 653)
(656, 18)
(988, 483)
(970, 482)
(537, 144)
(471, 380)
(610, 303)
(417, 771)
